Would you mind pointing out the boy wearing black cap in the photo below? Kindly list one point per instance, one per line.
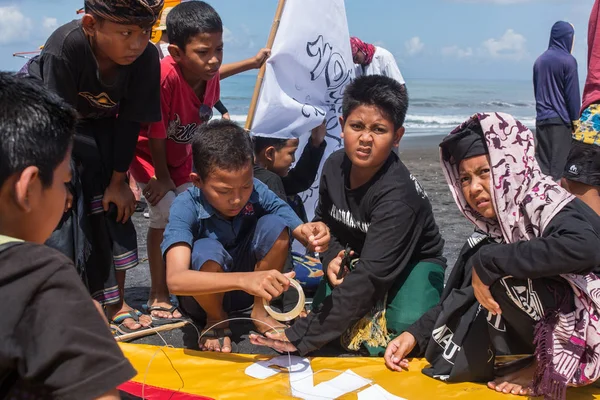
(105, 67)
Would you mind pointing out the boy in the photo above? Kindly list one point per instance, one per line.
(163, 158)
(229, 234)
(370, 202)
(105, 67)
(274, 157)
(53, 342)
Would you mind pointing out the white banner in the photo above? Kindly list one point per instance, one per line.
(310, 65)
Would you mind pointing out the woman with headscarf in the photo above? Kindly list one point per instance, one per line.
(526, 283)
(374, 60)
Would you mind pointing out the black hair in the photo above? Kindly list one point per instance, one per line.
(143, 13)
(221, 144)
(262, 142)
(190, 19)
(37, 127)
(387, 94)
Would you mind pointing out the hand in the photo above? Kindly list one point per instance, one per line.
(317, 135)
(119, 193)
(397, 350)
(483, 295)
(314, 236)
(226, 116)
(68, 200)
(267, 284)
(277, 341)
(261, 57)
(156, 189)
(334, 267)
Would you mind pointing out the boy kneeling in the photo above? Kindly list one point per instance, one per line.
(228, 236)
(372, 203)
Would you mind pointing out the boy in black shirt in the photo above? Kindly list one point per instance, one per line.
(104, 66)
(371, 203)
(53, 342)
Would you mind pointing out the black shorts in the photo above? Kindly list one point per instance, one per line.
(583, 164)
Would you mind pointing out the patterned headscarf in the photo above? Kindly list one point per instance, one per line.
(525, 201)
(367, 49)
(129, 12)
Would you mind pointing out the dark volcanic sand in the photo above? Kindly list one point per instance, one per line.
(421, 156)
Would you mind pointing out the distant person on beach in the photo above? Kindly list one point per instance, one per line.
(556, 88)
(374, 60)
(582, 169)
(105, 67)
(511, 289)
(228, 237)
(53, 342)
(384, 265)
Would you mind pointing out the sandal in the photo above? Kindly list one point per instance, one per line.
(158, 321)
(217, 333)
(116, 324)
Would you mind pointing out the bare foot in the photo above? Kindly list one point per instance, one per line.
(163, 302)
(216, 339)
(519, 383)
(114, 310)
(263, 321)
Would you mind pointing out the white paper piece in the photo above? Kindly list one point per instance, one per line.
(376, 392)
(302, 378)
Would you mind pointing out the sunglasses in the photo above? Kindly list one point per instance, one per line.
(205, 113)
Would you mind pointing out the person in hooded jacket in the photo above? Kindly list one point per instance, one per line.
(526, 283)
(556, 87)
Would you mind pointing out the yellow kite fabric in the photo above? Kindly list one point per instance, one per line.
(179, 374)
(157, 34)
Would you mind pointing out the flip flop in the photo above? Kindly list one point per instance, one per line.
(220, 334)
(157, 321)
(116, 324)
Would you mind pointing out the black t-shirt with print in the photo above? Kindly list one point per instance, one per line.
(67, 66)
(53, 342)
(388, 222)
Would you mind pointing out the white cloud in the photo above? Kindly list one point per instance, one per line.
(228, 36)
(49, 24)
(14, 26)
(511, 46)
(458, 52)
(414, 46)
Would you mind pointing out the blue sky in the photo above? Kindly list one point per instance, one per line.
(432, 39)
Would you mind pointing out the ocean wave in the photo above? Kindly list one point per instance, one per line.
(435, 122)
(474, 105)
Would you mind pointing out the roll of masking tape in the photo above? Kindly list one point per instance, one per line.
(288, 316)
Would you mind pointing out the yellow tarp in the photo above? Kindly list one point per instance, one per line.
(221, 376)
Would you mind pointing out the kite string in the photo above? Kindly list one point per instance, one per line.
(200, 335)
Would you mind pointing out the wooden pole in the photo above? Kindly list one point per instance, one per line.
(261, 72)
(150, 331)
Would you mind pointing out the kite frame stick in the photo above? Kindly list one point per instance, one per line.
(261, 72)
(150, 331)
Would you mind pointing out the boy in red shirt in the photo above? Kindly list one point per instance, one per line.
(163, 160)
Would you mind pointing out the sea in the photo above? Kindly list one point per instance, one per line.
(435, 106)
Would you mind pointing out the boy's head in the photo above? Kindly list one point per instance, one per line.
(120, 29)
(276, 155)
(195, 34)
(373, 112)
(35, 151)
(224, 170)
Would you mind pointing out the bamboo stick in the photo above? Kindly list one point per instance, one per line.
(261, 72)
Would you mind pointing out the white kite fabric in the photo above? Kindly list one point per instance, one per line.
(309, 68)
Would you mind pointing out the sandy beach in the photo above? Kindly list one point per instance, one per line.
(421, 156)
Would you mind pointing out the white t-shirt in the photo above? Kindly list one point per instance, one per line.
(383, 63)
